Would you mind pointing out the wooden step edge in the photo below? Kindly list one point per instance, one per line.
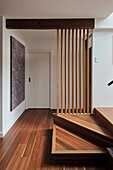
(104, 118)
(80, 152)
(76, 128)
(86, 127)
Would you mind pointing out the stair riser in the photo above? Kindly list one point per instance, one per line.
(77, 159)
(104, 120)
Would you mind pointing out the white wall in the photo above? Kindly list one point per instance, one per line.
(9, 117)
(104, 23)
(1, 76)
(103, 71)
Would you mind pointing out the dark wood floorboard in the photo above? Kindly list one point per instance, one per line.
(27, 145)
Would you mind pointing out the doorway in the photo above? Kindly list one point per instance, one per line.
(39, 80)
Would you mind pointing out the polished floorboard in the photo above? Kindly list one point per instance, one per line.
(27, 145)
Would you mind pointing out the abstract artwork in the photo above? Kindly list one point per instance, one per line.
(17, 87)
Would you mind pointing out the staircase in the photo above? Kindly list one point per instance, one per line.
(80, 139)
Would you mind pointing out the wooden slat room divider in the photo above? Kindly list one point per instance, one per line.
(73, 74)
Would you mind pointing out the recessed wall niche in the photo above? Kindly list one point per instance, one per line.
(17, 72)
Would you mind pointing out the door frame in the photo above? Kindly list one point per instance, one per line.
(32, 51)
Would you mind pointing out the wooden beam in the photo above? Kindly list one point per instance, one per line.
(58, 71)
(61, 70)
(76, 71)
(49, 23)
(73, 71)
(65, 71)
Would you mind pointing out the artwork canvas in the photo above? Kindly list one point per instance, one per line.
(17, 73)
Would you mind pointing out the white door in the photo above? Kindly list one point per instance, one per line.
(39, 83)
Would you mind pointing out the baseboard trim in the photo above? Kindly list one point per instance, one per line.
(1, 135)
(39, 108)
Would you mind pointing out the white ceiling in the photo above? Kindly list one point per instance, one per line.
(56, 8)
(34, 34)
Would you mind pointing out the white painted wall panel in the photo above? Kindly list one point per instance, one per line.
(103, 71)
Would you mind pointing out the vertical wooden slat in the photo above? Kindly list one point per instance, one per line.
(69, 71)
(92, 73)
(80, 71)
(65, 71)
(73, 71)
(87, 70)
(61, 70)
(57, 70)
(76, 71)
(84, 71)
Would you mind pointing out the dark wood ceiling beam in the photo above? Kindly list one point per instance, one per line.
(49, 23)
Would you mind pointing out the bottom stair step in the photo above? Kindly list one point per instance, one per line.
(68, 148)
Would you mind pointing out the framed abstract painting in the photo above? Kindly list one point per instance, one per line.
(17, 73)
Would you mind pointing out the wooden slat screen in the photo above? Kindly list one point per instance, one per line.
(65, 71)
(73, 75)
(73, 71)
(76, 73)
(69, 71)
(58, 71)
(61, 71)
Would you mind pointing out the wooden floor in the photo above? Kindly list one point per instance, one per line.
(28, 144)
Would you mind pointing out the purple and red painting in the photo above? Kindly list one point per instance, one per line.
(17, 73)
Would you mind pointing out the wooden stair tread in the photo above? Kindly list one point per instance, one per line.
(66, 142)
(106, 116)
(81, 121)
(106, 113)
